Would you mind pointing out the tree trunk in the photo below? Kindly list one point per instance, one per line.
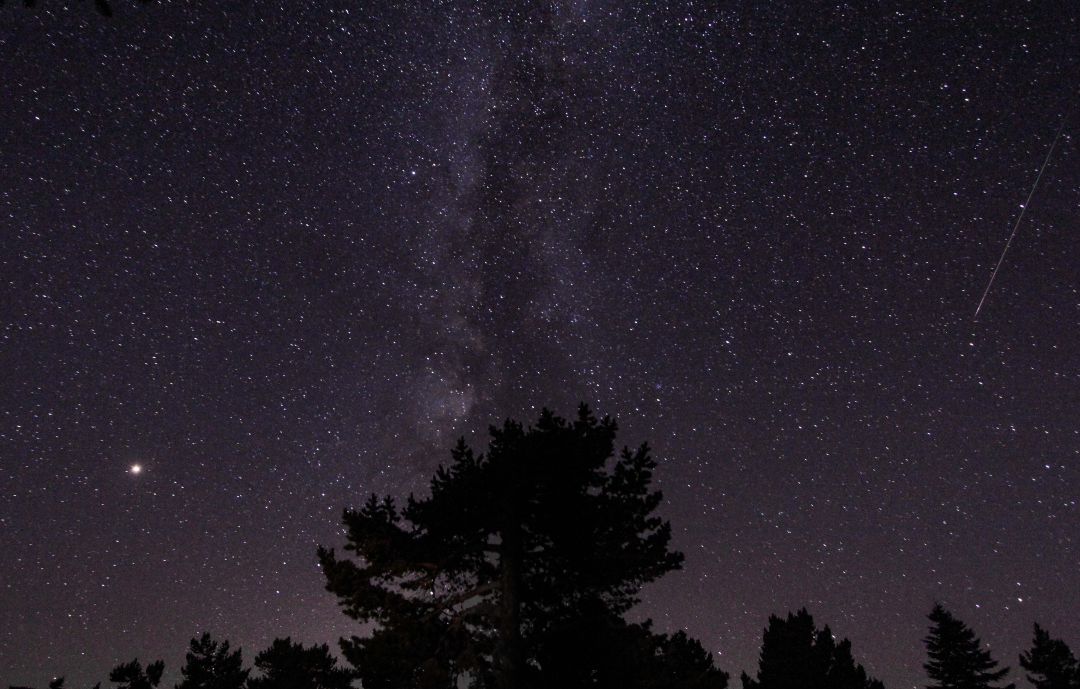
(511, 655)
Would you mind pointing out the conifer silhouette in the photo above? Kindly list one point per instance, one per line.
(1050, 663)
(956, 657)
(514, 549)
(795, 655)
(210, 665)
(133, 676)
(288, 665)
(603, 651)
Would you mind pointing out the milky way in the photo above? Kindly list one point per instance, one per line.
(281, 257)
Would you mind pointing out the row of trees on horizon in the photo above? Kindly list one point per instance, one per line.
(516, 572)
(794, 655)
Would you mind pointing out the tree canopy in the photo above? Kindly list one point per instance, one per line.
(289, 665)
(482, 580)
(795, 655)
(133, 676)
(210, 665)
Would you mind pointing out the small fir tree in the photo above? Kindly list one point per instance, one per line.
(956, 659)
(210, 665)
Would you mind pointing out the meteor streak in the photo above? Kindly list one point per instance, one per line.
(1016, 226)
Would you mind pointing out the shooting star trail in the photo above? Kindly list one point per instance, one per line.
(1023, 209)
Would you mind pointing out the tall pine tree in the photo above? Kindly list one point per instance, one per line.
(956, 659)
(1050, 663)
(479, 582)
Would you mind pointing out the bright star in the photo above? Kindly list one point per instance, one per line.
(136, 469)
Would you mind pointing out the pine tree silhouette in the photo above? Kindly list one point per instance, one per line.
(956, 657)
(795, 655)
(1050, 663)
(288, 665)
(133, 676)
(210, 665)
(602, 651)
(544, 533)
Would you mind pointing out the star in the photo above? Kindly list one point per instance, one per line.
(318, 267)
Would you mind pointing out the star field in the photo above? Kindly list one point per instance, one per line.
(279, 257)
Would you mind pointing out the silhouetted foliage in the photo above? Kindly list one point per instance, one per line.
(288, 665)
(795, 655)
(1050, 663)
(209, 665)
(103, 7)
(956, 657)
(481, 581)
(56, 683)
(602, 650)
(133, 676)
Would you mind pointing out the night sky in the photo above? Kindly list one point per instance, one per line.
(282, 256)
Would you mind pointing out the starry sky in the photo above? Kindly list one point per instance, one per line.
(281, 256)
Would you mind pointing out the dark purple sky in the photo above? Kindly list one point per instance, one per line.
(281, 259)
